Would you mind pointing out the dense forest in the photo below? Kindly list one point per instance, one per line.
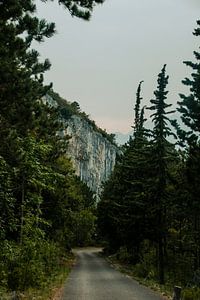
(45, 209)
(149, 213)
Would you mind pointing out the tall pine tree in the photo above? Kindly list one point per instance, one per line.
(159, 163)
(189, 108)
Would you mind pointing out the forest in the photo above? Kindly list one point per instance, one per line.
(149, 212)
(45, 208)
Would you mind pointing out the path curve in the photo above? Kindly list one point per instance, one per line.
(92, 278)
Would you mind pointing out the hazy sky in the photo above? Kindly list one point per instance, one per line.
(100, 63)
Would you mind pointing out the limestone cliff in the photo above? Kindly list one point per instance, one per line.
(93, 155)
(92, 151)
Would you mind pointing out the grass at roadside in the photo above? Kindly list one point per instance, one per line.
(51, 289)
(189, 293)
(128, 269)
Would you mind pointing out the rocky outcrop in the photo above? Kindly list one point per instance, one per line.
(92, 154)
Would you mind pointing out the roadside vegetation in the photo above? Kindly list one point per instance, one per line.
(50, 288)
(149, 213)
(45, 209)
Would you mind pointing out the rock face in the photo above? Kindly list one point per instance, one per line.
(92, 154)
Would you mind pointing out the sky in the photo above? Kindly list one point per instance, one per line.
(100, 63)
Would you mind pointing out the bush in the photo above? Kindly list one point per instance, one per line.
(123, 255)
(84, 227)
(29, 263)
(191, 294)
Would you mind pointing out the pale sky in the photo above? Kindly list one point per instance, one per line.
(100, 63)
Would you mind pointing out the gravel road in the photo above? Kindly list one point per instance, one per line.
(92, 278)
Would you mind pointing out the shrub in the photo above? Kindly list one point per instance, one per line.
(123, 255)
(191, 294)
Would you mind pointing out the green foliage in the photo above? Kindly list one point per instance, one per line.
(21, 71)
(28, 264)
(84, 227)
(149, 211)
(63, 204)
(190, 115)
(121, 214)
(141, 184)
(137, 122)
(161, 156)
(123, 255)
(7, 201)
(146, 268)
(191, 294)
(82, 9)
(189, 107)
(40, 196)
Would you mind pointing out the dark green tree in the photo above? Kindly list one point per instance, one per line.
(122, 212)
(137, 122)
(189, 108)
(64, 203)
(7, 201)
(21, 76)
(159, 163)
(81, 8)
(30, 144)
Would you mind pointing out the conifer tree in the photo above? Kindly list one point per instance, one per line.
(159, 164)
(82, 8)
(121, 213)
(30, 145)
(21, 77)
(137, 109)
(189, 108)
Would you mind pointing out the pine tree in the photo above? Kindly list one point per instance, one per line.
(137, 109)
(81, 8)
(159, 163)
(21, 77)
(122, 212)
(189, 107)
(30, 144)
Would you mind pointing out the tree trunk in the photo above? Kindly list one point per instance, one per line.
(161, 235)
(177, 293)
(22, 212)
(161, 260)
